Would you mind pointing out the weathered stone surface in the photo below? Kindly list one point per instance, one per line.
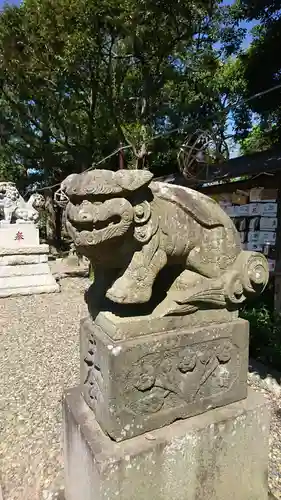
(222, 454)
(122, 328)
(23, 250)
(28, 285)
(147, 382)
(20, 259)
(24, 270)
(29, 290)
(23, 281)
(152, 226)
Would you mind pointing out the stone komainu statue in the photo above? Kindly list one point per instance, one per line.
(131, 228)
(13, 208)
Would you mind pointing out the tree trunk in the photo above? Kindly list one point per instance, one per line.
(54, 221)
(58, 225)
(51, 218)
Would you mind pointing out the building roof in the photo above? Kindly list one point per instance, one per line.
(255, 163)
(248, 165)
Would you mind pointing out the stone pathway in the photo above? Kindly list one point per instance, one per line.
(39, 358)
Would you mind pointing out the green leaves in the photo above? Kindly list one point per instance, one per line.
(79, 77)
(259, 139)
(262, 71)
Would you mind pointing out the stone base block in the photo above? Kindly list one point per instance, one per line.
(18, 234)
(20, 270)
(19, 259)
(29, 290)
(24, 250)
(25, 271)
(140, 384)
(221, 454)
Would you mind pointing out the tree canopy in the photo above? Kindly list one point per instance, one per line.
(79, 78)
(261, 65)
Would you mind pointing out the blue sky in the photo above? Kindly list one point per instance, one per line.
(2, 2)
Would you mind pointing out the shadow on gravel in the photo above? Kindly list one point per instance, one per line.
(278, 413)
(270, 497)
(62, 497)
(264, 371)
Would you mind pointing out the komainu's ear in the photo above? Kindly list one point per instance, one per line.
(131, 180)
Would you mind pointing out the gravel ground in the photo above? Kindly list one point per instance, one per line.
(40, 357)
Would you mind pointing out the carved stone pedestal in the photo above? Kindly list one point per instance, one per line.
(218, 455)
(139, 384)
(24, 268)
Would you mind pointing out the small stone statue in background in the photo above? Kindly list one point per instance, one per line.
(13, 208)
(132, 228)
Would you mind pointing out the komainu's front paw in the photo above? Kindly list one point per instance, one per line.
(127, 291)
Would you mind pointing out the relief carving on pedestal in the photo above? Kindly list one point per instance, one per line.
(180, 376)
(93, 381)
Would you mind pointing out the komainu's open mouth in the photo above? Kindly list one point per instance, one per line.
(94, 223)
(102, 224)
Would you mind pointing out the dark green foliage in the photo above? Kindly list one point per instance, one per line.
(80, 77)
(262, 71)
(265, 329)
(259, 139)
